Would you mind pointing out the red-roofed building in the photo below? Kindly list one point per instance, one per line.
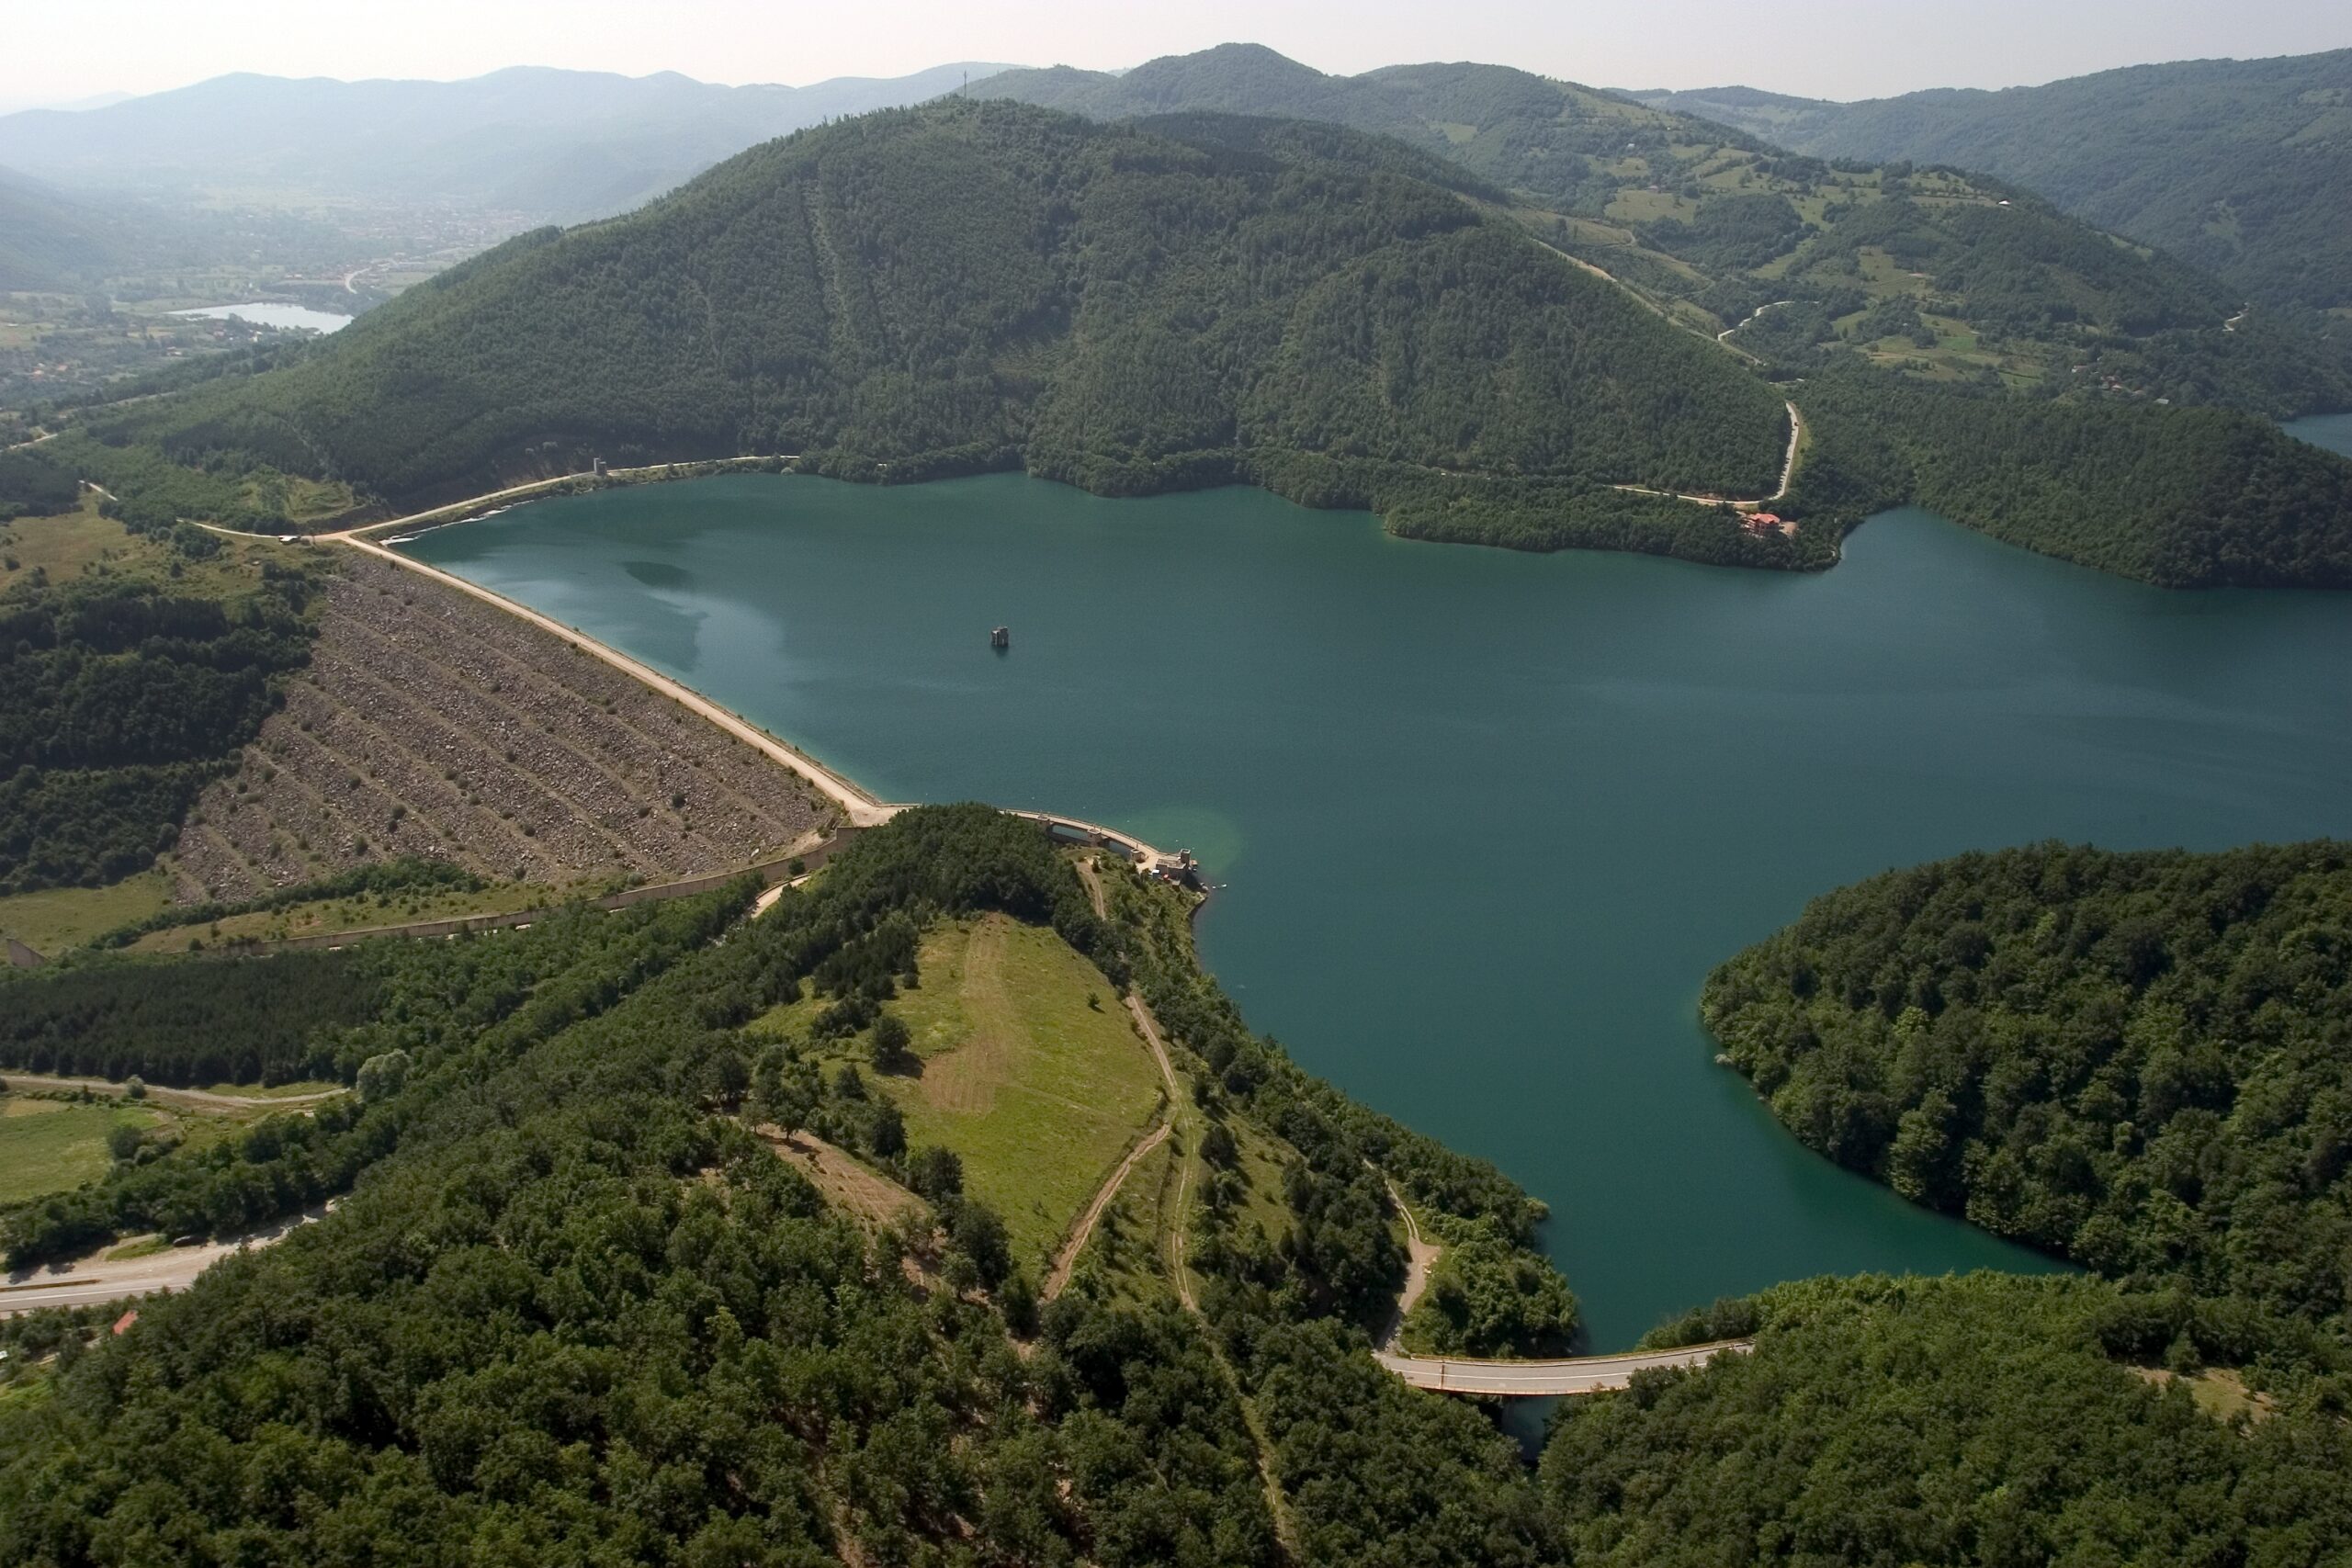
(122, 1323)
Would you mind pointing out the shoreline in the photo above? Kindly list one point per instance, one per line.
(469, 510)
(859, 807)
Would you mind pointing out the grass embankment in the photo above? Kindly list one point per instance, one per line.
(1024, 1064)
(56, 918)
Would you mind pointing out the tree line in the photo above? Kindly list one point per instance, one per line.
(119, 700)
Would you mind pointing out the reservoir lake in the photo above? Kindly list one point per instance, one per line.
(270, 314)
(1485, 820)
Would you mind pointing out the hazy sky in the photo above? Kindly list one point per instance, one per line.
(1844, 49)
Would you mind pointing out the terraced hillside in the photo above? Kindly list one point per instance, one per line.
(431, 724)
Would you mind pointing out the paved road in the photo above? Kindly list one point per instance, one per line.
(1583, 1374)
(88, 1279)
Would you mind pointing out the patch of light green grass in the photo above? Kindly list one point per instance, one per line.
(1029, 1071)
(54, 1146)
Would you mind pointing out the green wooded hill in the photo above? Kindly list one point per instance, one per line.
(122, 696)
(972, 284)
(570, 1309)
(1346, 318)
(2238, 165)
(1949, 276)
(2142, 1062)
(2182, 498)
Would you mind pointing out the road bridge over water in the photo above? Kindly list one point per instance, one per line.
(1530, 1380)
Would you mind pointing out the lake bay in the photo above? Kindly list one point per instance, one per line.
(1486, 819)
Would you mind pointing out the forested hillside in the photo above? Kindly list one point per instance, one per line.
(2238, 165)
(1948, 276)
(571, 1306)
(2136, 1061)
(976, 284)
(1198, 299)
(122, 695)
(2182, 498)
(1965, 1422)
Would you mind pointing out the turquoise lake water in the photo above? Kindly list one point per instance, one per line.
(1486, 819)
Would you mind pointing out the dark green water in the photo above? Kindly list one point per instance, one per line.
(1487, 818)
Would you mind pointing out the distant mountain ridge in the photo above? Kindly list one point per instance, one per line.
(1791, 259)
(2239, 165)
(543, 143)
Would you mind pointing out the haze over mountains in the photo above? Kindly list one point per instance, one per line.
(2240, 166)
(48, 241)
(550, 145)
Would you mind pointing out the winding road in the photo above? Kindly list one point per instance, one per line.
(1724, 335)
(1788, 473)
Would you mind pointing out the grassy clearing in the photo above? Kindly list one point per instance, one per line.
(77, 543)
(64, 546)
(53, 1145)
(302, 1089)
(55, 918)
(1263, 1159)
(2219, 1391)
(1039, 1092)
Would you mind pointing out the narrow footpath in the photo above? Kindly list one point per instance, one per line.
(1066, 1260)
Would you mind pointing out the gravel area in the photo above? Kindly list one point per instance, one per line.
(431, 723)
